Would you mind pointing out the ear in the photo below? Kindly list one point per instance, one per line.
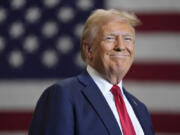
(88, 51)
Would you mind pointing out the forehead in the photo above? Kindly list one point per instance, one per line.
(117, 27)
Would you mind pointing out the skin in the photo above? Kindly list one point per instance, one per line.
(112, 52)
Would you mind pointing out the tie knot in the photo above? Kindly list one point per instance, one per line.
(115, 90)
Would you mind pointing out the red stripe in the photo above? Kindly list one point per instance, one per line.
(20, 121)
(162, 72)
(160, 22)
(14, 121)
(166, 122)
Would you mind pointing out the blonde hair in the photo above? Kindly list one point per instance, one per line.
(99, 16)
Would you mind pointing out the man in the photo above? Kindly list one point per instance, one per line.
(94, 102)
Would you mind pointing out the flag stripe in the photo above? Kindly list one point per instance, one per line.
(149, 71)
(14, 121)
(165, 22)
(13, 133)
(24, 94)
(164, 122)
(158, 96)
(157, 47)
(142, 6)
(20, 121)
(138, 71)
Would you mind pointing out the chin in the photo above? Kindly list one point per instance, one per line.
(121, 70)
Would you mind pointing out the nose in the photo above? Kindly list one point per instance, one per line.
(119, 45)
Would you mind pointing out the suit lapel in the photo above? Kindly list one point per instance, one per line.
(99, 104)
(138, 111)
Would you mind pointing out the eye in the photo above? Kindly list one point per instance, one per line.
(129, 39)
(110, 38)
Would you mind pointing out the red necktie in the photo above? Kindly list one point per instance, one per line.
(126, 123)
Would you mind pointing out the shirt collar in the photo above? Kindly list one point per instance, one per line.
(102, 84)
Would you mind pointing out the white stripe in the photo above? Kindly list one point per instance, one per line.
(143, 6)
(158, 96)
(13, 133)
(157, 47)
(21, 94)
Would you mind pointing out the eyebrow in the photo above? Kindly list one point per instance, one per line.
(120, 33)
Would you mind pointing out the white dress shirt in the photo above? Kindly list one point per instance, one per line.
(105, 87)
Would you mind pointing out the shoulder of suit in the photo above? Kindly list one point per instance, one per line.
(64, 88)
(65, 85)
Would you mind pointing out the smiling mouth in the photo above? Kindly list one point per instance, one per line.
(119, 55)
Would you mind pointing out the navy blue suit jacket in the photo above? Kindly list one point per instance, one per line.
(75, 106)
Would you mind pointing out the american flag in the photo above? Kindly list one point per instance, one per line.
(40, 43)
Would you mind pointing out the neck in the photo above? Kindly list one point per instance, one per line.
(115, 80)
(111, 77)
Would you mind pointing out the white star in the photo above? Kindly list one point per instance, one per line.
(85, 4)
(78, 60)
(31, 44)
(33, 14)
(16, 59)
(78, 30)
(49, 58)
(16, 29)
(3, 14)
(2, 44)
(51, 3)
(17, 4)
(50, 29)
(65, 14)
(64, 44)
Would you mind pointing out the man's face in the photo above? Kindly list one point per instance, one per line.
(112, 52)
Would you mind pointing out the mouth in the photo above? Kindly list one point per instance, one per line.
(119, 55)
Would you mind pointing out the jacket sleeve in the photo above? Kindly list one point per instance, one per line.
(53, 113)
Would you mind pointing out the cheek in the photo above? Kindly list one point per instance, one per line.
(106, 46)
(103, 50)
(131, 48)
